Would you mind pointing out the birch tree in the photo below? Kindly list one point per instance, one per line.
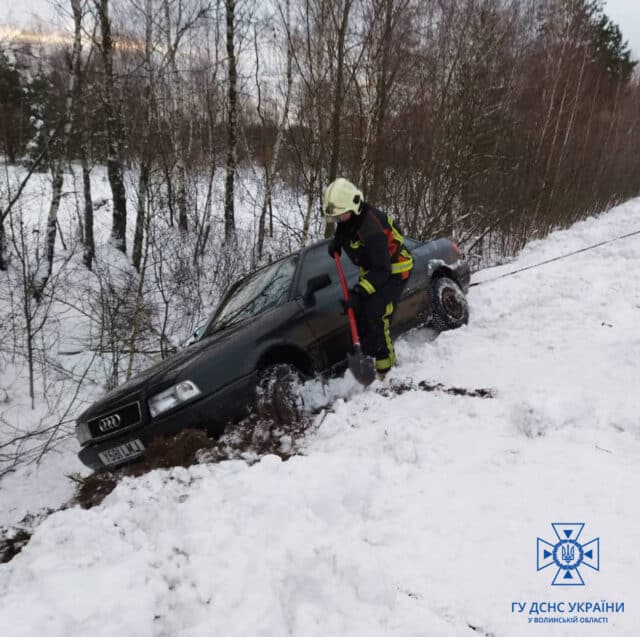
(271, 159)
(59, 147)
(145, 157)
(179, 18)
(211, 100)
(232, 122)
(113, 128)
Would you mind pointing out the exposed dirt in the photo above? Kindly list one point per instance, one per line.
(13, 539)
(249, 440)
(400, 387)
(180, 450)
(12, 543)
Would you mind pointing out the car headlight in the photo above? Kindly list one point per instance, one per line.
(172, 397)
(82, 432)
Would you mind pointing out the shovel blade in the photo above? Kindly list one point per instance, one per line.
(362, 367)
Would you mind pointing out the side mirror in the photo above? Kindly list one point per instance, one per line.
(313, 285)
(198, 332)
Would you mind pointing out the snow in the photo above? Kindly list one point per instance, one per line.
(409, 514)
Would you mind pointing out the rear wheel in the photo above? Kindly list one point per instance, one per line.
(450, 308)
(277, 393)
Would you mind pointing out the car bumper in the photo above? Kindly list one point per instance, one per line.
(212, 413)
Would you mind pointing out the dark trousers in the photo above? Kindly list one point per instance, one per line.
(374, 322)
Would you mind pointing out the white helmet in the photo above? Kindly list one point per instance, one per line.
(341, 196)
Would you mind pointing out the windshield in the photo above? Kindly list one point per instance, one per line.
(256, 294)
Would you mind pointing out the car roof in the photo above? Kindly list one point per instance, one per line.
(300, 251)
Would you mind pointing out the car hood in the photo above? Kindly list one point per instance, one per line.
(161, 375)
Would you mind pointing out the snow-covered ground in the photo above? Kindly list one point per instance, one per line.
(411, 514)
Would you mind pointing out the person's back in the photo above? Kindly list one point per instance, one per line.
(372, 241)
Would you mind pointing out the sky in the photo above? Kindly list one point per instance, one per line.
(625, 12)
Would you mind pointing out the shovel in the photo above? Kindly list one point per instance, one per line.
(362, 367)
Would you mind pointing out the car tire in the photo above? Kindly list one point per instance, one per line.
(450, 308)
(277, 397)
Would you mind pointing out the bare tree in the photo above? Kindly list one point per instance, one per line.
(232, 122)
(80, 126)
(210, 101)
(308, 139)
(270, 165)
(340, 20)
(113, 126)
(145, 158)
(59, 150)
(179, 19)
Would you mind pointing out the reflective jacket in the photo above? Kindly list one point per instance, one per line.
(373, 241)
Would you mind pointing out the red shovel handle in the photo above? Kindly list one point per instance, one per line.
(345, 292)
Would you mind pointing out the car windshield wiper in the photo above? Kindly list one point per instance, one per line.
(232, 317)
(264, 295)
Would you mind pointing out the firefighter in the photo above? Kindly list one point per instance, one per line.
(372, 241)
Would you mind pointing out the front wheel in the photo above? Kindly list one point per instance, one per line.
(450, 309)
(277, 393)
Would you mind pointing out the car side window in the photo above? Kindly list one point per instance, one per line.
(317, 261)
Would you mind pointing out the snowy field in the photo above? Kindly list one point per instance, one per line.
(409, 515)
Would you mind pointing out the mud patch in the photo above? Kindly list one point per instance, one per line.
(14, 538)
(12, 541)
(257, 436)
(480, 631)
(248, 440)
(397, 388)
(179, 450)
(93, 489)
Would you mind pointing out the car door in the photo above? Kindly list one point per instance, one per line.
(413, 304)
(328, 324)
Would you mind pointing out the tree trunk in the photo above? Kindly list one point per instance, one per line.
(143, 179)
(3, 261)
(141, 212)
(177, 116)
(80, 125)
(114, 132)
(89, 243)
(382, 94)
(339, 91)
(59, 148)
(50, 237)
(205, 227)
(271, 167)
(229, 212)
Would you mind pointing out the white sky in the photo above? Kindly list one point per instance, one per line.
(627, 14)
(21, 12)
(24, 11)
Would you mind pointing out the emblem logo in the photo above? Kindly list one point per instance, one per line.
(109, 423)
(568, 554)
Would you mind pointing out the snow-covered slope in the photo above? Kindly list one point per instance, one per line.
(410, 514)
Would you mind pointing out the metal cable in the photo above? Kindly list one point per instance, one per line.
(563, 256)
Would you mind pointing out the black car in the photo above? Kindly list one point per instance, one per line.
(284, 318)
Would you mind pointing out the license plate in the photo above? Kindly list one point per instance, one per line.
(119, 454)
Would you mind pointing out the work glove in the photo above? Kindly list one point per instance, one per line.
(356, 297)
(334, 246)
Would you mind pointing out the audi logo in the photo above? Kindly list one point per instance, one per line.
(109, 423)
